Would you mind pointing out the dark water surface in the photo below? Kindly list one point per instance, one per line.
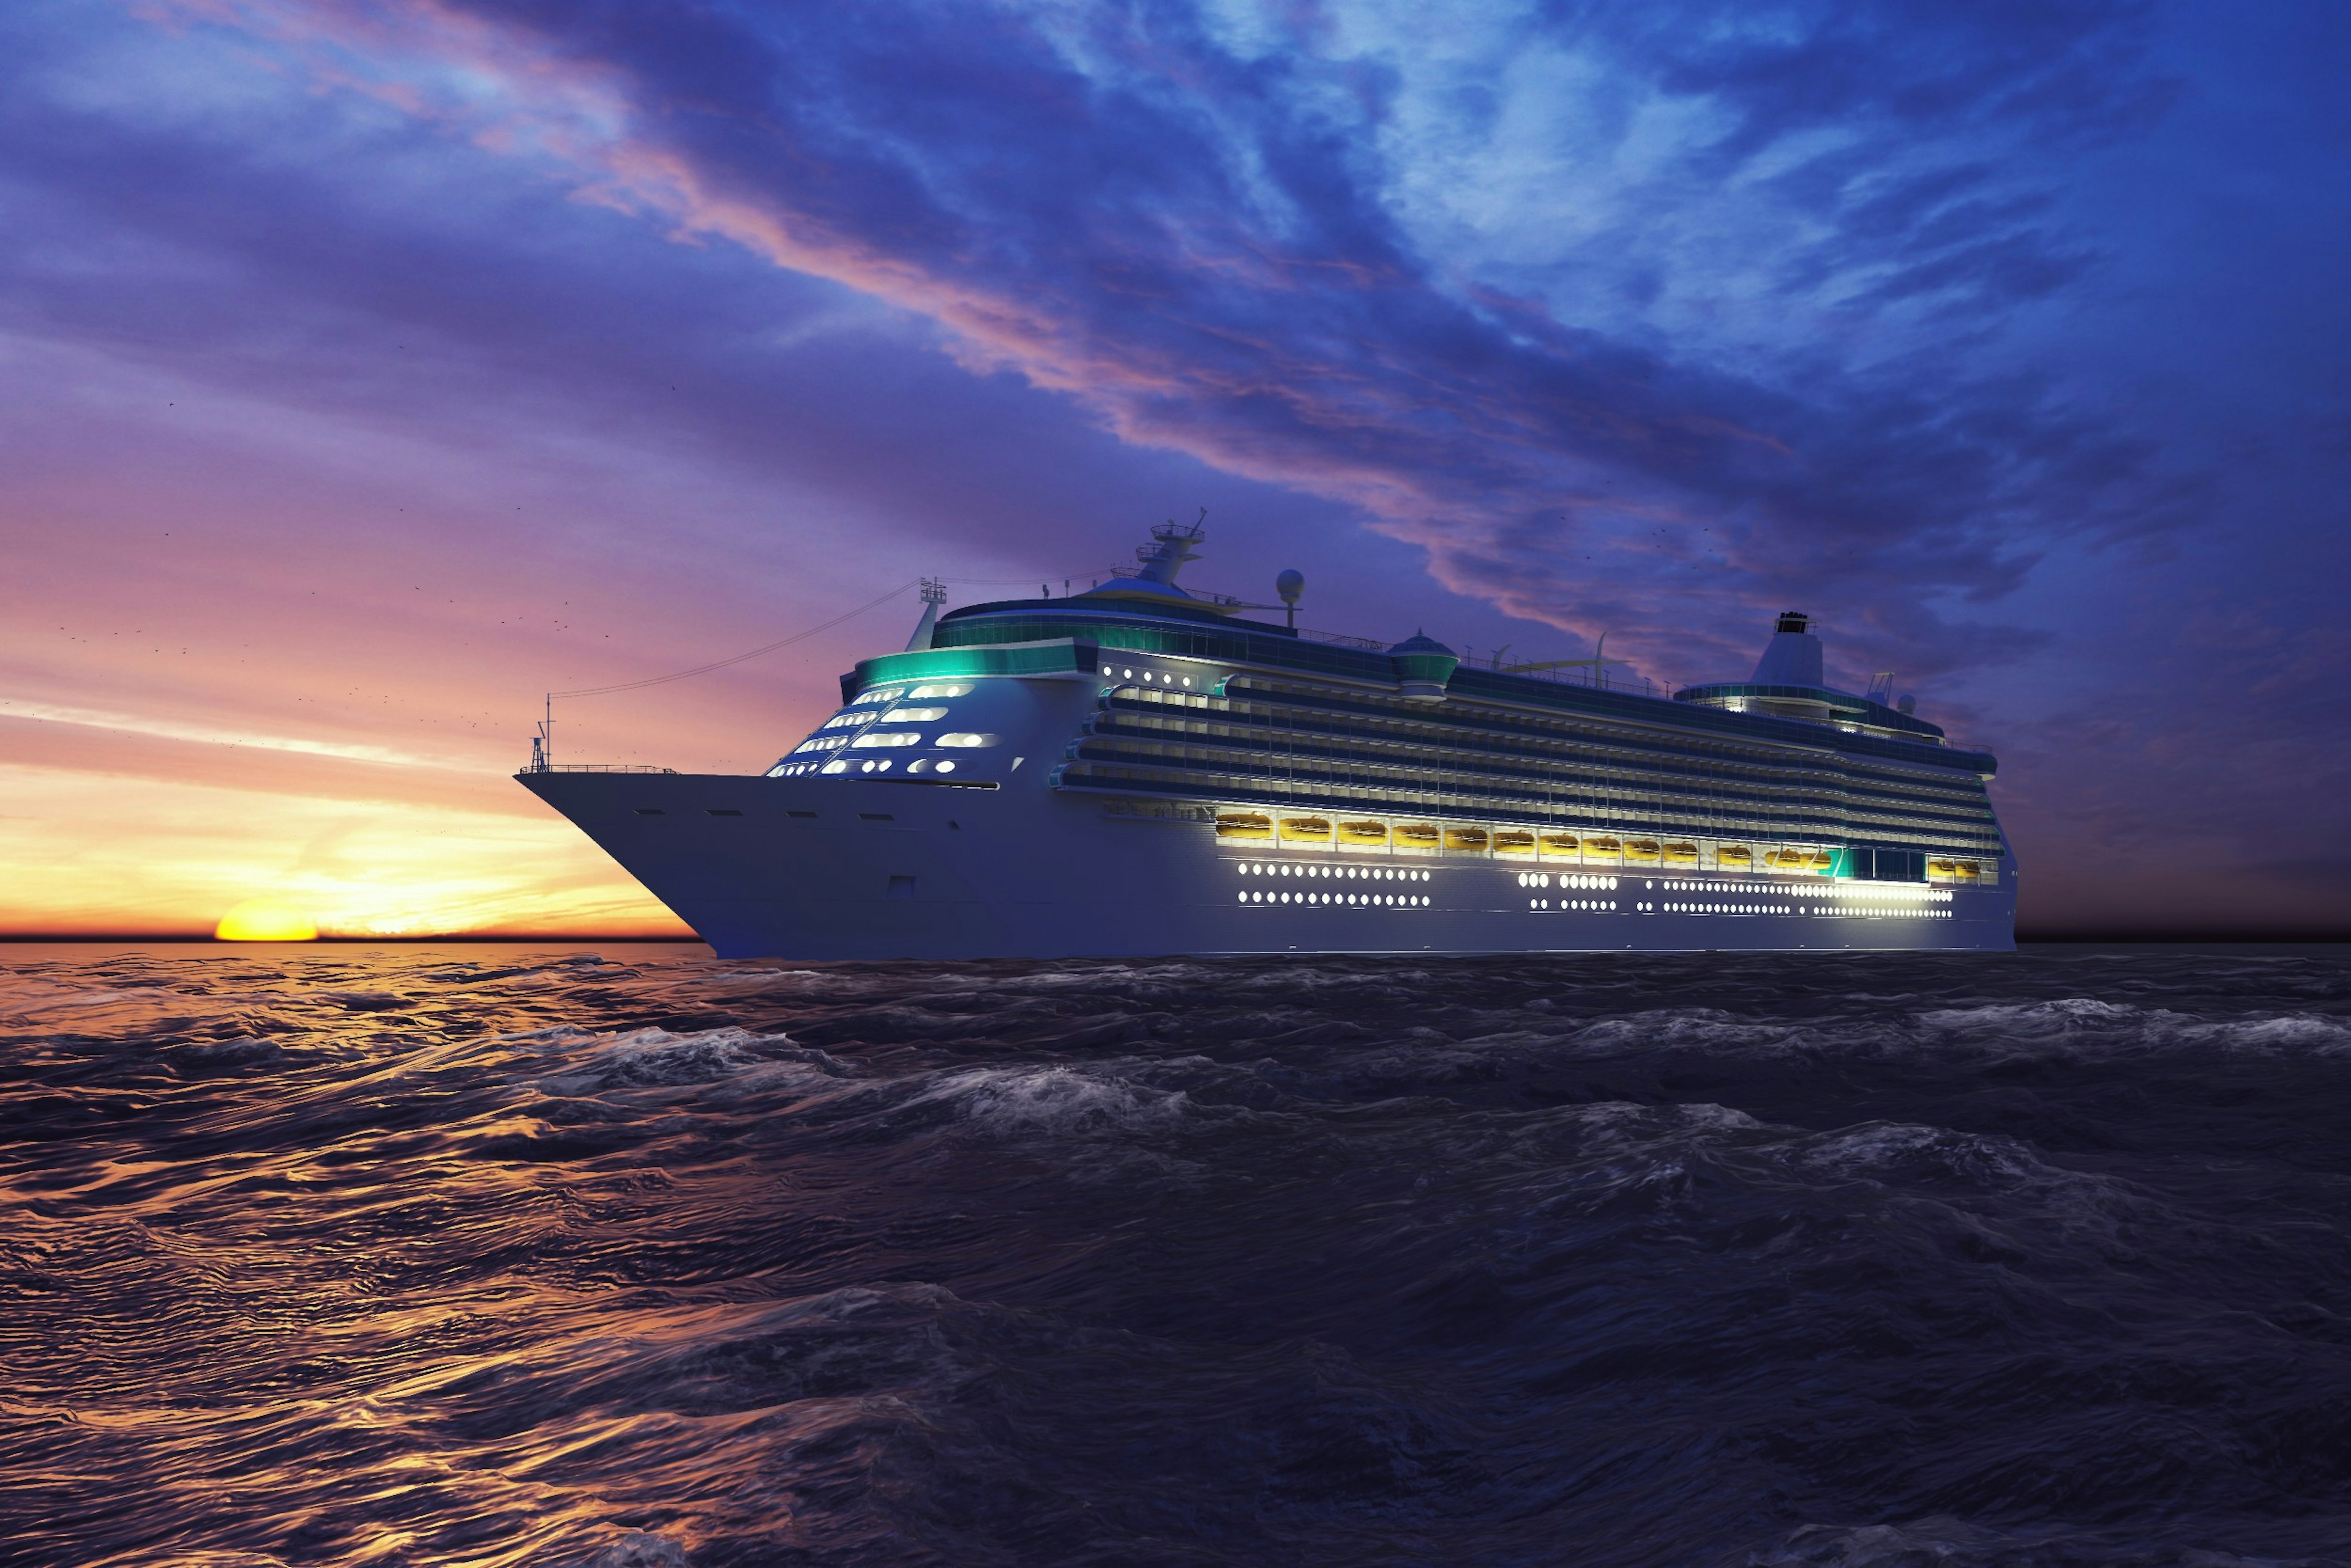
(489, 1255)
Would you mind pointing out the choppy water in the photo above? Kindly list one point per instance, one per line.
(493, 1255)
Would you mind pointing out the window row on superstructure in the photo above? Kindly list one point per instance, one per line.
(1296, 742)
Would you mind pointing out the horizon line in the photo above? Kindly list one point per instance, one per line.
(2331, 936)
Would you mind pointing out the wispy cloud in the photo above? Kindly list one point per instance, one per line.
(210, 734)
(1282, 248)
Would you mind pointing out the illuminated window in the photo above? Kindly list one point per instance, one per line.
(835, 766)
(945, 766)
(954, 689)
(912, 715)
(962, 739)
(900, 737)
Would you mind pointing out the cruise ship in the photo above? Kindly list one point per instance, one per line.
(1142, 770)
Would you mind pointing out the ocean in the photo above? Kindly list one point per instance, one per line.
(511, 1254)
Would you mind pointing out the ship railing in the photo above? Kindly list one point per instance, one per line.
(1598, 680)
(604, 767)
(1340, 640)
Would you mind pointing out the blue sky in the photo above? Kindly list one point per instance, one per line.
(398, 362)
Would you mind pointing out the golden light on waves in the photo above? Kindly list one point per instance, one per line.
(266, 920)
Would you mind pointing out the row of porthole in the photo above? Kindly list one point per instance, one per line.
(1590, 904)
(1727, 909)
(1351, 872)
(1832, 890)
(1382, 900)
(932, 690)
(1543, 879)
(1893, 914)
(1147, 676)
(920, 765)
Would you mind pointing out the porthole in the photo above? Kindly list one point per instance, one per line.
(945, 766)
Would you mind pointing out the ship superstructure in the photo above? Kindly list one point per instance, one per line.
(1139, 769)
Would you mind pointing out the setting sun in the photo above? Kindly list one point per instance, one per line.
(266, 920)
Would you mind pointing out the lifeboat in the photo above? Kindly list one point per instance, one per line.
(1308, 830)
(1512, 842)
(1244, 825)
(1362, 832)
(1465, 838)
(1679, 854)
(1602, 849)
(1942, 871)
(1969, 870)
(1642, 852)
(1561, 846)
(1738, 857)
(1822, 862)
(1417, 835)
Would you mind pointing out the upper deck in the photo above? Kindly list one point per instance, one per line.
(1037, 636)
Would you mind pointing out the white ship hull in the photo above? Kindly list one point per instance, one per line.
(856, 868)
(1131, 772)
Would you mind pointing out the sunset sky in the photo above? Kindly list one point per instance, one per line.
(370, 370)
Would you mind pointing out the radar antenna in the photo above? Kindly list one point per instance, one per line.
(934, 593)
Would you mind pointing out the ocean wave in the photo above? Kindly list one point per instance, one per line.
(509, 1256)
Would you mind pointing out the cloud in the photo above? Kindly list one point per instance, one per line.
(1216, 231)
(208, 734)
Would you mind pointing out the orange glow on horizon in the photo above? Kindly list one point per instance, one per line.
(103, 854)
(266, 920)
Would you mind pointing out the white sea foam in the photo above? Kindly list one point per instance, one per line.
(639, 1549)
(1054, 1101)
(657, 1059)
(2086, 1026)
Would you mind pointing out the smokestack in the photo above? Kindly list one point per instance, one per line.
(1792, 657)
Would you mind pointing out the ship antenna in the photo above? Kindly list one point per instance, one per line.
(542, 745)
